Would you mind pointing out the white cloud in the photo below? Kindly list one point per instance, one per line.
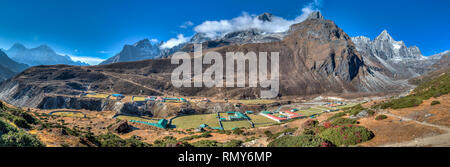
(86, 59)
(175, 41)
(215, 29)
(104, 52)
(186, 24)
(154, 40)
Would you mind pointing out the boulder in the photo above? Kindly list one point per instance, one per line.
(121, 127)
(363, 114)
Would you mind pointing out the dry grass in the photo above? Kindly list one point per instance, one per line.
(392, 130)
(440, 114)
(69, 114)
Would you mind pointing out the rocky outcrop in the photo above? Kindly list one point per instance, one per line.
(134, 108)
(121, 127)
(63, 102)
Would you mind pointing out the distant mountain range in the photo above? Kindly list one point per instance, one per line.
(41, 55)
(393, 58)
(8, 67)
(141, 50)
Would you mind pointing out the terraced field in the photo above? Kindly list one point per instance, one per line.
(261, 121)
(309, 112)
(99, 96)
(194, 121)
(229, 125)
(138, 98)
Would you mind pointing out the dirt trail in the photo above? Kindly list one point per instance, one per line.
(132, 82)
(442, 140)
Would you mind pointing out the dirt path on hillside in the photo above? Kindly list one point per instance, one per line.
(134, 83)
(442, 140)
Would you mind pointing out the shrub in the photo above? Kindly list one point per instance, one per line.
(337, 115)
(354, 110)
(343, 121)
(5, 128)
(268, 133)
(381, 117)
(205, 135)
(298, 141)
(435, 103)
(327, 124)
(406, 102)
(22, 123)
(206, 143)
(19, 139)
(112, 140)
(433, 88)
(326, 144)
(238, 131)
(371, 112)
(213, 143)
(232, 143)
(346, 135)
(310, 124)
(309, 132)
(288, 130)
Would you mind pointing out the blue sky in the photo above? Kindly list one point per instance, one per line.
(100, 28)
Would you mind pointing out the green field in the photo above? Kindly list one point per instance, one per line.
(235, 124)
(321, 107)
(309, 112)
(194, 121)
(347, 105)
(261, 121)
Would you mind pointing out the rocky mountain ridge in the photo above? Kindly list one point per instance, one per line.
(8, 67)
(392, 58)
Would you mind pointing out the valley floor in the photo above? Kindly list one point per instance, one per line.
(421, 126)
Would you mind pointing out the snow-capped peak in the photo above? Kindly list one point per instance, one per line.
(384, 36)
(385, 47)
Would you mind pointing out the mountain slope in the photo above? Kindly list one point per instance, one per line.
(316, 57)
(8, 67)
(41, 55)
